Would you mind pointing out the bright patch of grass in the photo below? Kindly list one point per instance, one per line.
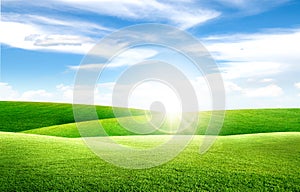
(258, 162)
(236, 122)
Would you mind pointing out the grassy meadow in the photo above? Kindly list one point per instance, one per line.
(41, 150)
(235, 122)
(21, 116)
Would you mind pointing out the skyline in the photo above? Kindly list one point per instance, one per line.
(254, 43)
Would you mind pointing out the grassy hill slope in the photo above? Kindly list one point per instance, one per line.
(236, 122)
(257, 162)
(57, 119)
(21, 116)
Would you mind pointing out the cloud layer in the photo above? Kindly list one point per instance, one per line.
(254, 65)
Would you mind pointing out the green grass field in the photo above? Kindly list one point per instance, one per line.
(236, 122)
(256, 162)
(21, 116)
(259, 150)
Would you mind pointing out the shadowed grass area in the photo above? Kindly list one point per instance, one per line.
(258, 162)
(235, 122)
(261, 121)
(21, 116)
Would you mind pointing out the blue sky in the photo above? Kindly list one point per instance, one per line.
(255, 44)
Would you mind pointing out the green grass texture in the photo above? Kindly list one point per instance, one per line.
(57, 119)
(249, 156)
(235, 122)
(21, 116)
(253, 162)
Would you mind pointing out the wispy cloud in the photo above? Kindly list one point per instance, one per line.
(68, 34)
(33, 38)
(269, 91)
(254, 60)
(297, 85)
(36, 95)
(267, 80)
(57, 23)
(62, 93)
(250, 7)
(56, 40)
(234, 70)
(272, 90)
(37, 32)
(260, 55)
(273, 46)
(184, 14)
(7, 92)
(129, 57)
(238, 97)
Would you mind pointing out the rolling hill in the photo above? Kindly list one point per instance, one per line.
(253, 162)
(21, 116)
(40, 150)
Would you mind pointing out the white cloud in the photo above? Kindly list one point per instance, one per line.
(65, 92)
(203, 94)
(267, 80)
(33, 38)
(36, 32)
(143, 96)
(251, 6)
(149, 92)
(103, 93)
(256, 56)
(7, 92)
(254, 59)
(62, 93)
(297, 85)
(230, 86)
(126, 58)
(183, 14)
(235, 70)
(36, 95)
(62, 34)
(57, 24)
(267, 91)
(10, 37)
(90, 67)
(279, 46)
(56, 40)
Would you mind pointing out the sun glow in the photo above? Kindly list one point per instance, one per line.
(146, 94)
